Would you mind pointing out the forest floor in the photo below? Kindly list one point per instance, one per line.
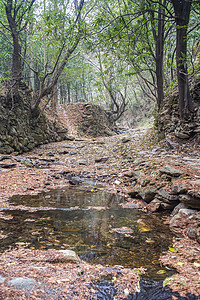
(107, 161)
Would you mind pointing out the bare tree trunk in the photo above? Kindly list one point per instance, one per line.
(68, 92)
(182, 14)
(159, 58)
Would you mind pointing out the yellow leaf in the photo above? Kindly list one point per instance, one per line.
(179, 264)
(10, 264)
(172, 249)
(113, 279)
(143, 227)
(58, 281)
(138, 271)
(161, 272)
(20, 243)
(169, 280)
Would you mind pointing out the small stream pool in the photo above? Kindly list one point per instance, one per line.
(91, 222)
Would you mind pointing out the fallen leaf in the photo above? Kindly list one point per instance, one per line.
(142, 226)
(161, 272)
(172, 249)
(179, 264)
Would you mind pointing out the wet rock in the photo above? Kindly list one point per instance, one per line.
(122, 230)
(190, 201)
(101, 159)
(195, 182)
(148, 194)
(154, 205)
(170, 171)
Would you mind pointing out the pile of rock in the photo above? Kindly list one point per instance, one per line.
(167, 198)
(168, 120)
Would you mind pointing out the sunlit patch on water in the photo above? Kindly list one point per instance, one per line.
(92, 223)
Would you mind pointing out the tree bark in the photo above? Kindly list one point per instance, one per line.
(159, 58)
(68, 92)
(182, 10)
(16, 55)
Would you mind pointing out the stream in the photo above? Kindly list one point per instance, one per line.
(96, 226)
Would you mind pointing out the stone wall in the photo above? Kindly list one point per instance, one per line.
(19, 131)
(90, 119)
(168, 121)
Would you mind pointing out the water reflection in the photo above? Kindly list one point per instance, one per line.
(91, 223)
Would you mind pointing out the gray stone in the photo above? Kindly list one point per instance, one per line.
(177, 208)
(13, 131)
(183, 213)
(167, 206)
(2, 279)
(195, 182)
(154, 205)
(148, 194)
(182, 135)
(67, 256)
(190, 201)
(129, 174)
(171, 171)
(166, 196)
(125, 140)
(179, 189)
(22, 283)
(144, 182)
(191, 233)
(101, 159)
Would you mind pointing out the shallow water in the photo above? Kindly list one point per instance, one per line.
(92, 223)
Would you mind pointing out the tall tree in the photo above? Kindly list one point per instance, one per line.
(182, 9)
(17, 13)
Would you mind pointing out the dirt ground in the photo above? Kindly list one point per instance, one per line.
(107, 161)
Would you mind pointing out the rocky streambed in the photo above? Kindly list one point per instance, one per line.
(151, 177)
